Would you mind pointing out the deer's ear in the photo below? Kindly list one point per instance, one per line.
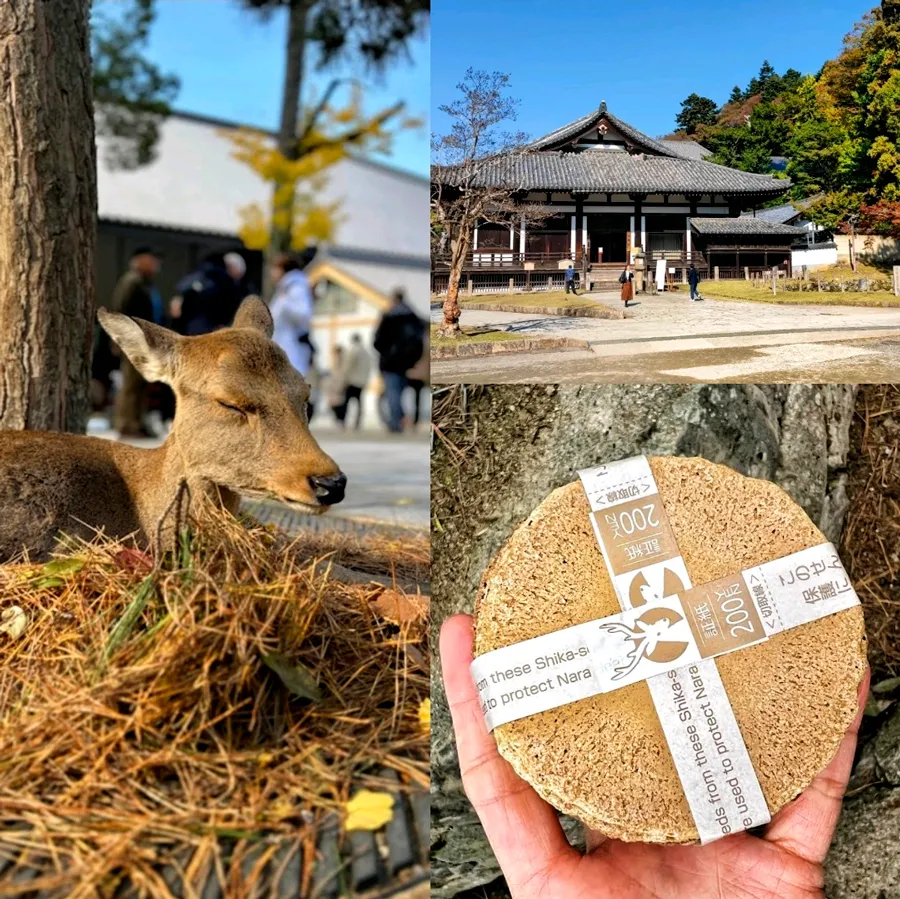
(150, 348)
(254, 313)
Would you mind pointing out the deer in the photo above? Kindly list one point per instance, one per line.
(240, 429)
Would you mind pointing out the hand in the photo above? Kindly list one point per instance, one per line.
(785, 862)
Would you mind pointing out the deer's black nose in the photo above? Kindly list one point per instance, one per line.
(329, 490)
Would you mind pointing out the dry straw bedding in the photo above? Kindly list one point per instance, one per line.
(123, 745)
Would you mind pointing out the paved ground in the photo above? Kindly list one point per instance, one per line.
(669, 338)
(387, 479)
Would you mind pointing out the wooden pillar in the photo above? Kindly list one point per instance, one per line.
(573, 237)
(746, 272)
(475, 239)
(640, 221)
(579, 223)
(522, 236)
(716, 276)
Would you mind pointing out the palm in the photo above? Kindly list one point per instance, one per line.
(785, 862)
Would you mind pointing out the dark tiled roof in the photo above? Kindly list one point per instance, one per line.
(780, 215)
(688, 149)
(573, 129)
(601, 171)
(742, 225)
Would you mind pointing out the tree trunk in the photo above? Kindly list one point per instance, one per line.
(450, 325)
(48, 214)
(283, 207)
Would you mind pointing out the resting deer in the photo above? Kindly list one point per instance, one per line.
(240, 428)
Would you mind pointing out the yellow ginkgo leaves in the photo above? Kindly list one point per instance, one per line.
(425, 715)
(368, 810)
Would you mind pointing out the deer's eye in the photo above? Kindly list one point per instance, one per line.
(232, 408)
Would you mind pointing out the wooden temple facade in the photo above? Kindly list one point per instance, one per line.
(612, 193)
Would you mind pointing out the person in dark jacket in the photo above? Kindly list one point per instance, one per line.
(693, 277)
(207, 299)
(399, 342)
(136, 295)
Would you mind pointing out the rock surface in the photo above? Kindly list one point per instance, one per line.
(504, 448)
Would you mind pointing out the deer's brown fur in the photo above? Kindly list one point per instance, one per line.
(240, 428)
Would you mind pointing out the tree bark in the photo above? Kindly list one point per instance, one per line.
(295, 51)
(450, 325)
(48, 210)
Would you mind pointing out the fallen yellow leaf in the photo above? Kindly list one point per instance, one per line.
(425, 715)
(368, 810)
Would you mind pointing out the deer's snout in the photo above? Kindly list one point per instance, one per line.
(329, 490)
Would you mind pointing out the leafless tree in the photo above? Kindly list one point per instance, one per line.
(477, 176)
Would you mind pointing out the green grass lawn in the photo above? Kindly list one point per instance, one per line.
(471, 335)
(743, 291)
(555, 298)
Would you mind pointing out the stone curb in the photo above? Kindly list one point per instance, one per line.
(507, 346)
(599, 311)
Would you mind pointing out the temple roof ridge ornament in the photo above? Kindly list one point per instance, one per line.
(602, 109)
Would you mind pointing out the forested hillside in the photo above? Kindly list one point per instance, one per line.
(838, 129)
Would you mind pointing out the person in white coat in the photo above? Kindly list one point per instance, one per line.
(292, 311)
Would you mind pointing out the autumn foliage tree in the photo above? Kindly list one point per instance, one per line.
(371, 31)
(476, 175)
(326, 135)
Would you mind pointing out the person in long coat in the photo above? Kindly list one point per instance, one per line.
(626, 279)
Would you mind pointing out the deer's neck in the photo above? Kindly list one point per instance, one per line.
(164, 487)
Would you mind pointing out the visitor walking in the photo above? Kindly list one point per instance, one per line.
(292, 310)
(626, 279)
(693, 277)
(418, 378)
(336, 386)
(358, 372)
(136, 295)
(571, 283)
(399, 342)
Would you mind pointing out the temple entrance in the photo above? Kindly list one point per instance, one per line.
(609, 231)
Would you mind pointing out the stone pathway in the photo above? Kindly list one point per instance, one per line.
(669, 338)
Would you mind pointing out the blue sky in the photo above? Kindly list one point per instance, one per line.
(643, 57)
(231, 63)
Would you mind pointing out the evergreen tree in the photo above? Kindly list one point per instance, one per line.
(696, 111)
(736, 95)
(131, 94)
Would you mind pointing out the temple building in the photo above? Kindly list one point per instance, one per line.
(614, 193)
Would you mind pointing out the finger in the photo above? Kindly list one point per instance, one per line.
(806, 826)
(523, 830)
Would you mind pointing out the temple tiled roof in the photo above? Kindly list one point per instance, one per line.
(648, 165)
(742, 225)
(579, 126)
(615, 171)
(781, 215)
(688, 149)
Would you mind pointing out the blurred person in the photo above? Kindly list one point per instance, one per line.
(336, 386)
(358, 371)
(207, 299)
(136, 295)
(399, 342)
(292, 311)
(418, 378)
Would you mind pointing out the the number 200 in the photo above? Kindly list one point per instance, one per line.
(737, 617)
(638, 519)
